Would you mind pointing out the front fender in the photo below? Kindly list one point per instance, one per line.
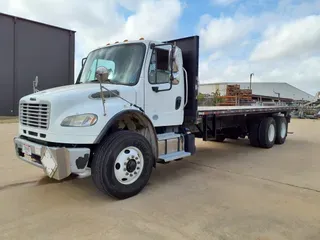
(143, 119)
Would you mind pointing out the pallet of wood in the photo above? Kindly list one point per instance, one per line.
(246, 91)
(232, 90)
(236, 96)
(228, 101)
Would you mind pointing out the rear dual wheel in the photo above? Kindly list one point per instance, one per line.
(254, 134)
(268, 131)
(281, 130)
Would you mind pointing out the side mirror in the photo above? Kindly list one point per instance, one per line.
(102, 74)
(83, 61)
(164, 65)
(172, 55)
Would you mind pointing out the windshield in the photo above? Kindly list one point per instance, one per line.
(119, 64)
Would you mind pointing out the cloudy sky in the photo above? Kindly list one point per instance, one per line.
(277, 40)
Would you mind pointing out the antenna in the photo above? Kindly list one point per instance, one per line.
(35, 84)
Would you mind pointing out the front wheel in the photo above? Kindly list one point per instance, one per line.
(122, 164)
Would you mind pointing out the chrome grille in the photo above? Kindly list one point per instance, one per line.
(35, 115)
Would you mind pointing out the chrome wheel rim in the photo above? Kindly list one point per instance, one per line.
(128, 165)
(271, 133)
(283, 130)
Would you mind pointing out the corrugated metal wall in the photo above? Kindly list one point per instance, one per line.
(29, 49)
(6, 65)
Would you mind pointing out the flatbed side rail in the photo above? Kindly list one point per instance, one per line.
(229, 112)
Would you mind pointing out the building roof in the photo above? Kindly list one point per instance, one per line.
(36, 22)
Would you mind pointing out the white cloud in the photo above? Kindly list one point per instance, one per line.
(153, 20)
(131, 5)
(223, 31)
(293, 39)
(97, 22)
(226, 31)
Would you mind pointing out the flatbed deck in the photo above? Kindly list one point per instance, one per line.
(234, 110)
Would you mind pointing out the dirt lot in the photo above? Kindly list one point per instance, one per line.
(226, 191)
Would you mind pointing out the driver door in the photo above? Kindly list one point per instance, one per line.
(163, 100)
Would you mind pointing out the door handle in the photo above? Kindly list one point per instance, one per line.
(178, 102)
(155, 89)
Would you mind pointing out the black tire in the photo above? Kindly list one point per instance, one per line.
(219, 138)
(281, 129)
(103, 164)
(254, 134)
(233, 136)
(265, 125)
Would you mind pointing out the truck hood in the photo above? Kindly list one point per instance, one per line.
(78, 93)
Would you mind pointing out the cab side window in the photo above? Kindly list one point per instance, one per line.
(159, 67)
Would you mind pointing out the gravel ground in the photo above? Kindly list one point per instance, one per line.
(226, 191)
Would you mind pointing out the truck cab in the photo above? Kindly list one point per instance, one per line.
(134, 95)
(143, 75)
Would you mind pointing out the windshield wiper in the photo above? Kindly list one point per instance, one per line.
(116, 95)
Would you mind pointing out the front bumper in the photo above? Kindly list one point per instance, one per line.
(57, 163)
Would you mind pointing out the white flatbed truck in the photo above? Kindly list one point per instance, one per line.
(134, 104)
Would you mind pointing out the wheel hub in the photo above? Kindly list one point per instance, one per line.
(131, 165)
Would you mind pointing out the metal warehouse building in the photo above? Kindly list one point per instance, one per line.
(28, 50)
(268, 90)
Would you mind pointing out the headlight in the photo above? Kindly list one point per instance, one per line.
(81, 120)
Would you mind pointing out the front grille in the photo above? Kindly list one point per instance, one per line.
(35, 115)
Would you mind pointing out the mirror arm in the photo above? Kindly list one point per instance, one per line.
(173, 49)
(156, 89)
(83, 61)
(173, 46)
